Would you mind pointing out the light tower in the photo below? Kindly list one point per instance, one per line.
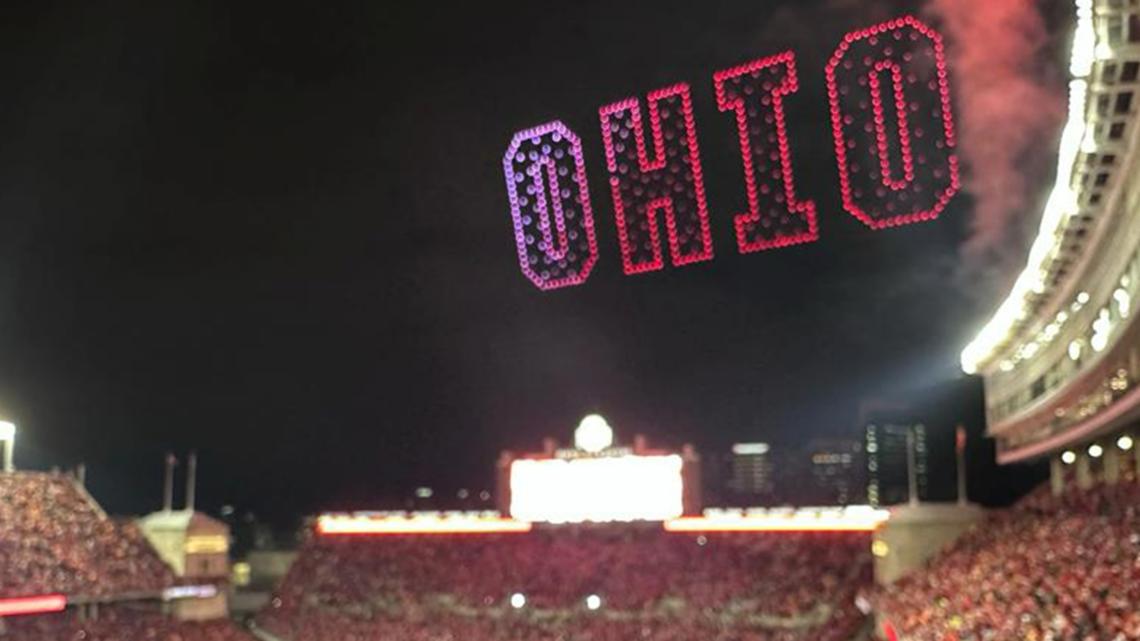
(8, 438)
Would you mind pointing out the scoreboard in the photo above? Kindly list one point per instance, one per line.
(609, 488)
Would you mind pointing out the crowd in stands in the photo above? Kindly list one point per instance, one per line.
(55, 539)
(1052, 568)
(644, 583)
(116, 624)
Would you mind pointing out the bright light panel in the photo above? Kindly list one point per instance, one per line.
(750, 448)
(32, 605)
(344, 524)
(593, 434)
(189, 592)
(623, 488)
(850, 519)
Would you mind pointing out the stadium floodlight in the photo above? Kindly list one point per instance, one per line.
(518, 600)
(1124, 442)
(1068, 457)
(593, 434)
(1095, 450)
(593, 602)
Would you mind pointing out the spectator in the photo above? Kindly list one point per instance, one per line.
(649, 584)
(55, 539)
(1050, 569)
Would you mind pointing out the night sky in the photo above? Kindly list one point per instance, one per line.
(278, 233)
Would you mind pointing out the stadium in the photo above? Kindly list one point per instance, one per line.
(601, 539)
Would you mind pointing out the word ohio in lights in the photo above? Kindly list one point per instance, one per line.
(889, 101)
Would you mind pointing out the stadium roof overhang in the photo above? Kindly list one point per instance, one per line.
(1039, 286)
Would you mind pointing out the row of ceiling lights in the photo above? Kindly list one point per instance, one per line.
(1124, 443)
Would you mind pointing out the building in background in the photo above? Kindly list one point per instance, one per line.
(752, 479)
(1061, 354)
(835, 472)
(195, 546)
(885, 446)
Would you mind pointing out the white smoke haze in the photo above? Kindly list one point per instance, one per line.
(1010, 107)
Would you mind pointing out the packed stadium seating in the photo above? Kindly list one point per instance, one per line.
(54, 539)
(646, 584)
(1049, 569)
(57, 540)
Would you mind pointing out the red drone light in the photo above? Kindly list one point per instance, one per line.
(755, 93)
(868, 153)
(672, 182)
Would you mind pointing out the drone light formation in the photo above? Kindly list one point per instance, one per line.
(894, 131)
(889, 98)
(550, 206)
(755, 93)
(670, 186)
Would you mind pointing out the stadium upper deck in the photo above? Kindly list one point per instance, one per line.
(1061, 355)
